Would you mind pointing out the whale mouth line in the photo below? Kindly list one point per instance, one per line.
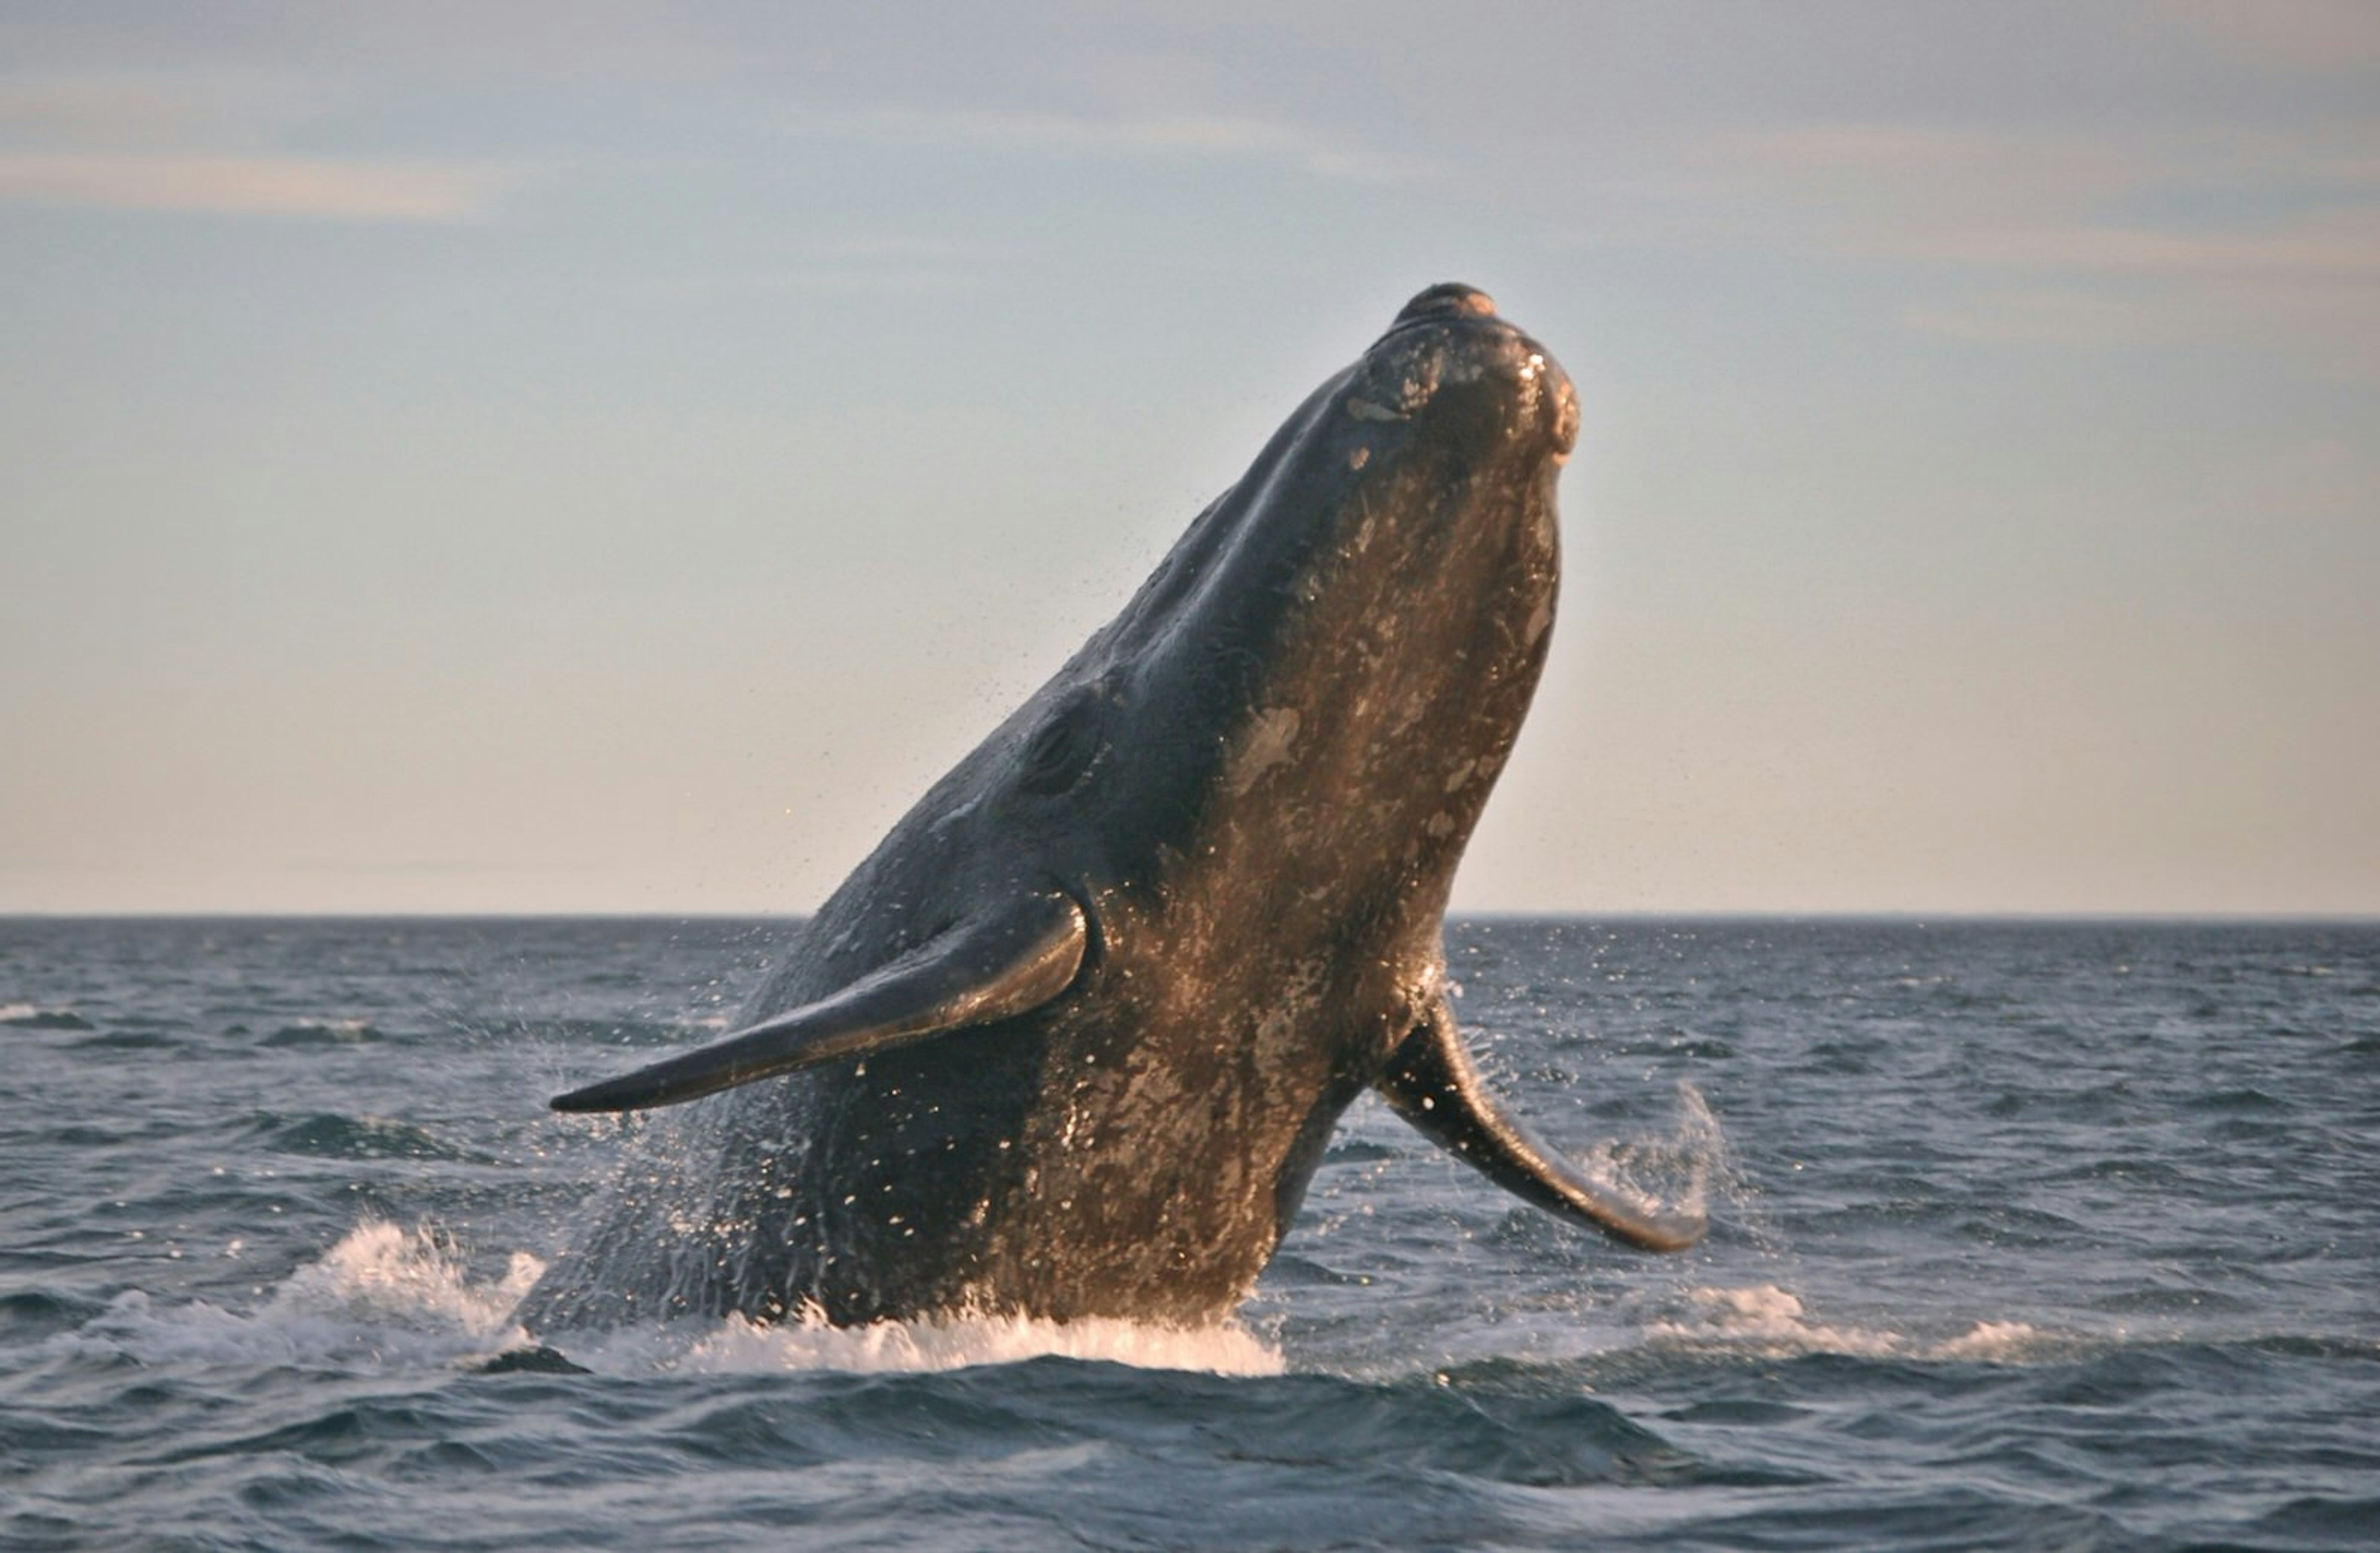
(1094, 927)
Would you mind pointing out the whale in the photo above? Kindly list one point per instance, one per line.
(1070, 1042)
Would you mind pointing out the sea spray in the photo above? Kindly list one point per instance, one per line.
(383, 1297)
(392, 1298)
(735, 1345)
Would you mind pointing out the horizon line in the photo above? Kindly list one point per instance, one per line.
(1895, 915)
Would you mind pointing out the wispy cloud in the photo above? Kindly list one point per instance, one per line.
(2044, 237)
(2047, 316)
(119, 112)
(2335, 246)
(1878, 184)
(2309, 284)
(861, 261)
(210, 143)
(261, 185)
(1096, 134)
(2333, 331)
(2315, 37)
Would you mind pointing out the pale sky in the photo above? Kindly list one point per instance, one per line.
(613, 457)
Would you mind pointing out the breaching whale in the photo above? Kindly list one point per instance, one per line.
(1071, 1040)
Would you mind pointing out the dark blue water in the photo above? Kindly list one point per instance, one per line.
(2023, 1235)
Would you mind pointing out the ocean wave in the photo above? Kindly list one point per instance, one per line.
(1772, 1321)
(127, 1040)
(323, 1032)
(330, 1136)
(30, 1016)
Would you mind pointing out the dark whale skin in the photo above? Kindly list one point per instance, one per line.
(1255, 784)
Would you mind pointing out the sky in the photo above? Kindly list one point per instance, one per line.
(613, 457)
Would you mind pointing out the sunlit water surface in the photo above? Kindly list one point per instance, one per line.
(2022, 1235)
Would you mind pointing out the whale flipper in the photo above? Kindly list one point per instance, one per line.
(978, 971)
(1434, 1085)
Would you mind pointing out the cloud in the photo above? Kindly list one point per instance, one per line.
(112, 112)
(2344, 247)
(1878, 184)
(1091, 134)
(2335, 333)
(2310, 285)
(2044, 316)
(2315, 37)
(205, 144)
(862, 260)
(2270, 236)
(263, 185)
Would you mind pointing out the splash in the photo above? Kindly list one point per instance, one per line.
(735, 1345)
(1672, 1174)
(389, 1298)
(383, 1298)
(1773, 1321)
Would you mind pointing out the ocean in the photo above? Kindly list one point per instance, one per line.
(2058, 1234)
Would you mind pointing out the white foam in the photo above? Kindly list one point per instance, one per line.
(11, 1013)
(1766, 1318)
(390, 1298)
(738, 1346)
(352, 1030)
(1770, 1320)
(384, 1297)
(1998, 1343)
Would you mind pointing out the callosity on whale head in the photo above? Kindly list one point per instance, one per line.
(1070, 1041)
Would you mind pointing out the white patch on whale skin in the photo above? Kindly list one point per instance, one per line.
(1266, 743)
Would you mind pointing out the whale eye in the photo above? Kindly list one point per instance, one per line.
(1061, 750)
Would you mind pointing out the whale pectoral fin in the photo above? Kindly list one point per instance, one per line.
(981, 970)
(1434, 1085)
